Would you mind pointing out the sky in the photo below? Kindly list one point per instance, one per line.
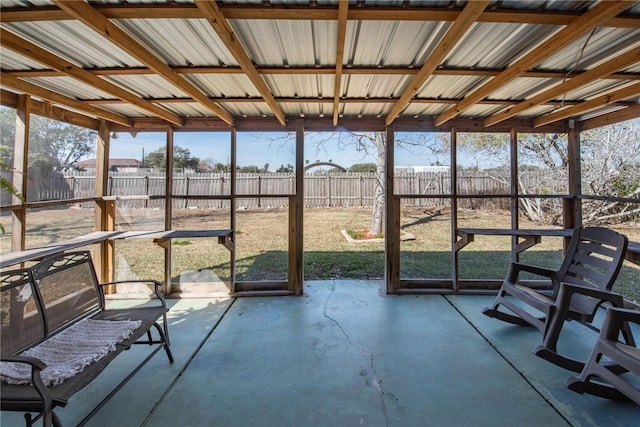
(257, 149)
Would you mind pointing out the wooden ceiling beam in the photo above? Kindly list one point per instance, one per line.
(302, 12)
(359, 100)
(211, 12)
(619, 62)
(628, 113)
(91, 17)
(465, 20)
(36, 53)
(40, 92)
(592, 18)
(46, 109)
(349, 123)
(325, 70)
(590, 105)
(343, 10)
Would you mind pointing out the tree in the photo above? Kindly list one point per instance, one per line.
(249, 169)
(363, 167)
(374, 145)
(285, 169)
(53, 147)
(182, 159)
(61, 144)
(610, 160)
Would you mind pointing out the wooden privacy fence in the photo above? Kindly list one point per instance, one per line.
(321, 190)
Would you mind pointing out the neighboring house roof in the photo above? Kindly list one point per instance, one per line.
(113, 163)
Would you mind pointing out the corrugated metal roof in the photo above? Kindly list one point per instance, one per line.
(288, 44)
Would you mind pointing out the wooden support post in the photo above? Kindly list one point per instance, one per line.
(232, 207)
(296, 217)
(105, 210)
(514, 202)
(20, 154)
(453, 182)
(392, 219)
(572, 207)
(168, 209)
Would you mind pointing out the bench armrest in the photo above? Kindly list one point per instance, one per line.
(157, 285)
(37, 365)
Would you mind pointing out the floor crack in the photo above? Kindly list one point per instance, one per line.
(377, 381)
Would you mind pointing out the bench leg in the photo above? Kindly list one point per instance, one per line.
(164, 341)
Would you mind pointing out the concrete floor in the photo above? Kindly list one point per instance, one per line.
(345, 354)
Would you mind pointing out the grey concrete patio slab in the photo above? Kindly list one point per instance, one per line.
(347, 355)
(344, 354)
(516, 345)
(190, 323)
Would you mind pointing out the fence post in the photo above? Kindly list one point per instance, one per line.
(327, 186)
(221, 202)
(186, 201)
(259, 191)
(146, 190)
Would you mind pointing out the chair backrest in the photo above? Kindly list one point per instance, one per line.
(594, 258)
(68, 287)
(21, 317)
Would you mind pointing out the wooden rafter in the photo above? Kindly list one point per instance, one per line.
(30, 50)
(211, 12)
(315, 12)
(468, 17)
(592, 104)
(343, 10)
(592, 18)
(40, 92)
(620, 61)
(94, 19)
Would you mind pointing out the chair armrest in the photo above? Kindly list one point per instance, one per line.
(614, 320)
(567, 290)
(515, 268)
(156, 284)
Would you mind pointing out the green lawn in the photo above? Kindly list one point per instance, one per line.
(262, 244)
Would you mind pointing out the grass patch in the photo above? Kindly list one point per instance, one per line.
(363, 234)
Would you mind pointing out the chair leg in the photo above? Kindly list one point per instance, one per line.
(594, 388)
(505, 317)
(515, 319)
(586, 383)
(558, 359)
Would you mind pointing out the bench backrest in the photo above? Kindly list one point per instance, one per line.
(21, 319)
(49, 296)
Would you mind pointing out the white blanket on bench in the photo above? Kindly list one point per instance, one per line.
(70, 351)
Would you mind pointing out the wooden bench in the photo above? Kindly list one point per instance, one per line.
(56, 298)
(531, 237)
